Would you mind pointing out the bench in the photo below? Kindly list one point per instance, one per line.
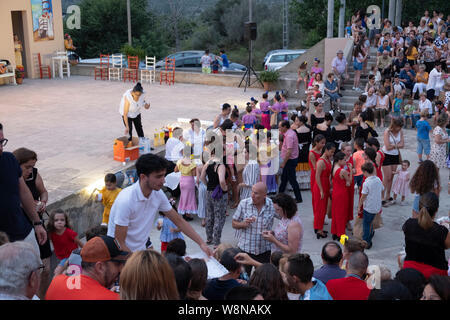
(9, 74)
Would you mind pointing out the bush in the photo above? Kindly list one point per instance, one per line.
(128, 50)
(269, 76)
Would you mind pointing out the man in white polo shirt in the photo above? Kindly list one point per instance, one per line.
(339, 65)
(133, 212)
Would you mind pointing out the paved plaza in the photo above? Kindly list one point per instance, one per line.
(72, 124)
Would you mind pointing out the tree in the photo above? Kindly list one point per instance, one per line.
(104, 26)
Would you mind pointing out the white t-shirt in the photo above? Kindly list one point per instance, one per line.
(174, 149)
(197, 139)
(426, 105)
(131, 209)
(135, 106)
(206, 61)
(434, 80)
(371, 100)
(372, 187)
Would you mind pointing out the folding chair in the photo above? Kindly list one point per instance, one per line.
(115, 71)
(149, 74)
(168, 74)
(102, 70)
(44, 70)
(132, 72)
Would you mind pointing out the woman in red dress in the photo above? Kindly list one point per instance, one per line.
(321, 189)
(348, 151)
(314, 155)
(339, 196)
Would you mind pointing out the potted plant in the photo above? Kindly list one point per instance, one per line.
(268, 77)
(128, 50)
(20, 74)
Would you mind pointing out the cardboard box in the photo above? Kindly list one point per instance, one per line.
(123, 154)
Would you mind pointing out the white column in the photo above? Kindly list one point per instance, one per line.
(391, 14)
(398, 13)
(330, 19)
(341, 19)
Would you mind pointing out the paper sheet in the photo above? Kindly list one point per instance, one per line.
(172, 180)
(215, 269)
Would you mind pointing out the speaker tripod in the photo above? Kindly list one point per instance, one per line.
(247, 77)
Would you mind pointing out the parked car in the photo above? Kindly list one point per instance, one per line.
(279, 59)
(193, 62)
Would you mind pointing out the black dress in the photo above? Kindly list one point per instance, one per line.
(339, 136)
(304, 140)
(326, 133)
(364, 133)
(315, 121)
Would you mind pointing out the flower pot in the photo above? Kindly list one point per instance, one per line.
(267, 86)
(19, 80)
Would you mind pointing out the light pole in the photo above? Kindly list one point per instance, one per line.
(129, 21)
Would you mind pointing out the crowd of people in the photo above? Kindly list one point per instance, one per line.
(244, 162)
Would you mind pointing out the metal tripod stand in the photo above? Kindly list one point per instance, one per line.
(248, 72)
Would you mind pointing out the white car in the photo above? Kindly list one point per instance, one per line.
(278, 60)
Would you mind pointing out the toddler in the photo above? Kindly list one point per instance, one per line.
(108, 195)
(408, 110)
(397, 107)
(64, 239)
(348, 30)
(401, 182)
(169, 231)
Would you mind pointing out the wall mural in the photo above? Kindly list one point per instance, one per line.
(42, 11)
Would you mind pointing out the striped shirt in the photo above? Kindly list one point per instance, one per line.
(250, 239)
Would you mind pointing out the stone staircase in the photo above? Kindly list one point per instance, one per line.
(349, 96)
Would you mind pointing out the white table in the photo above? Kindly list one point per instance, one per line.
(60, 60)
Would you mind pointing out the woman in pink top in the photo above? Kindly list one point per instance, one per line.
(284, 106)
(288, 234)
(265, 116)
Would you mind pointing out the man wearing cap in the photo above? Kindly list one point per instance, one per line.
(102, 261)
(339, 65)
(133, 213)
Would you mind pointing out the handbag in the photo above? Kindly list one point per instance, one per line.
(358, 225)
(273, 119)
(217, 193)
(400, 160)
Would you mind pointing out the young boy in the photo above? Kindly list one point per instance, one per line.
(358, 160)
(423, 135)
(108, 195)
(408, 111)
(370, 200)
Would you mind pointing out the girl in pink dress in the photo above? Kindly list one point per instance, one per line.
(284, 106)
(401, 182)
(264, 107)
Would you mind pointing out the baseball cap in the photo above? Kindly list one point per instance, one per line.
(103, 248)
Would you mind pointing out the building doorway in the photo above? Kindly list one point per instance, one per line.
(17, 24)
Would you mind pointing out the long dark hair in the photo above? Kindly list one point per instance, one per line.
(425, 179)
(428, 206)
(51, 220)
(357, 50)
(268, 279)
(138, 88)
(338, 156)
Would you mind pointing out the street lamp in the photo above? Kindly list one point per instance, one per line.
(129, 21)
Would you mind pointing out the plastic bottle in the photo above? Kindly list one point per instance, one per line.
(156, 139)
(161, 137)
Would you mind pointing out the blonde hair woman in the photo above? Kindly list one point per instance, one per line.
(147, 276)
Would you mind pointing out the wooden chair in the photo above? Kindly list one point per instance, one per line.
(65, 62)
(102, 70)
(168, 74)
(115, 71)
(44, 70)
(131, 73)
(149, 73)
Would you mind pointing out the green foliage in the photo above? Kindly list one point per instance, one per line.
(104, 26)
(269, 76)
(128, 50)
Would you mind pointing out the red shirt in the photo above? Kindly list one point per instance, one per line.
(348, 288)
(64, 244)
(80, 287)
